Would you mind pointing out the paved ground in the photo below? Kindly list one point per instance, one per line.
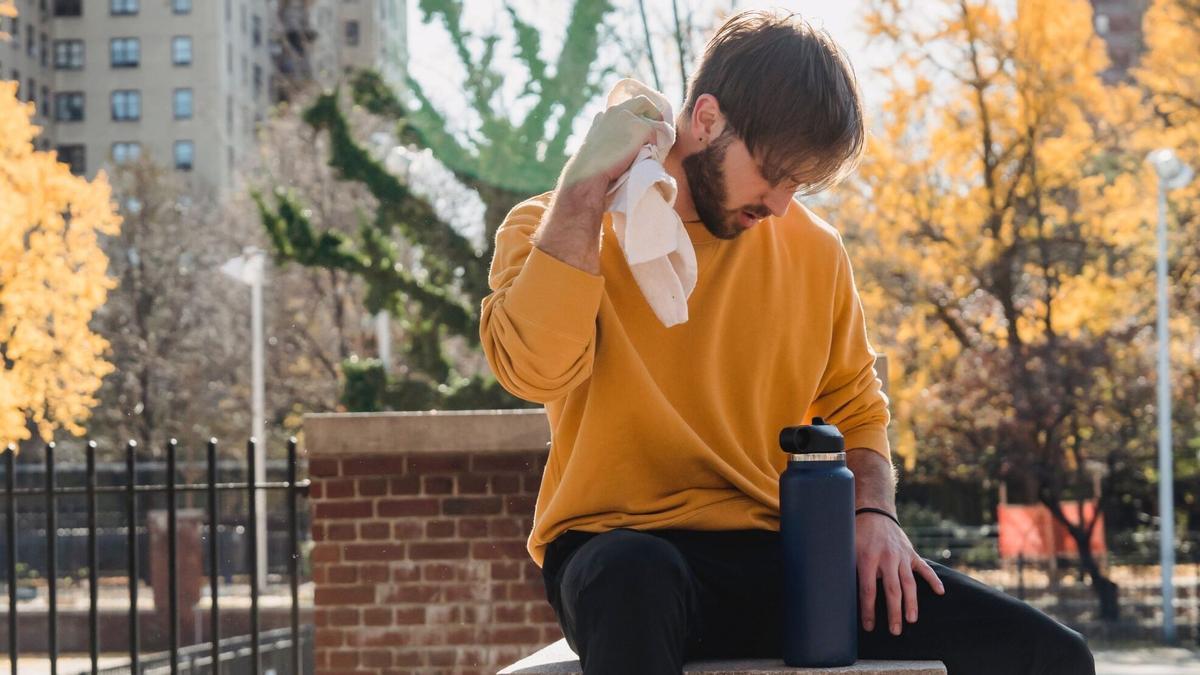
(1148, 661)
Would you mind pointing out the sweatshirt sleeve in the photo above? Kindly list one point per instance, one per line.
(851, 394)
(538, 326)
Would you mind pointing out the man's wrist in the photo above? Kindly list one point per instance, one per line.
(883, 512)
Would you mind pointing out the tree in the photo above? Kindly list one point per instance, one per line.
(1169, 73)
(52, 279)
(999, 223)
(436, 296)
(176, 339)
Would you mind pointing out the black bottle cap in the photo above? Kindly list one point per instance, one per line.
(818, 437)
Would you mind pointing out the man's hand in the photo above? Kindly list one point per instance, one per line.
(612, 143)
(882, 550)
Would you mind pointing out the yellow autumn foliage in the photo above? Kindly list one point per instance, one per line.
(1000, 222)
(52, 279)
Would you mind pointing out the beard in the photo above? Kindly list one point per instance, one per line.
(706, 182)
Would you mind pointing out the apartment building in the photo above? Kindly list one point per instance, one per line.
(1119, 22)
(182, 81)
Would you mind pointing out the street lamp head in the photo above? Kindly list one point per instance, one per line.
(1171, 170)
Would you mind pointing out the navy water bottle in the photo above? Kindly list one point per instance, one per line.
(816, 508)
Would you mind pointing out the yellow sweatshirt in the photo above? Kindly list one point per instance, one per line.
(655, 427)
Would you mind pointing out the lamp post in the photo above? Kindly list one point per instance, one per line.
(249, 269)
(1172, 174)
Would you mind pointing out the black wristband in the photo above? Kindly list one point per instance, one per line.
(872, 509)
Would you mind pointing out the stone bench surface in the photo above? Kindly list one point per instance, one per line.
(558, 658)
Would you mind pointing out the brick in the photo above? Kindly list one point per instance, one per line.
(405, 571)
(414, 594)
(372, 487)
(405, 485)
(344, 617)
(442, 657)
(437, 485)
(471, 505)
(342, 532)
(343, 574)
(441, 549)
(323, 467)
(465, 592)
(532, 482)
(316, 489)
(507, 570)
(374, 552)
(343, 658)
(374, 573)
(318, 531)
(487, 463)
(505, 483)
(377, 616)
(438, 572)
(472, 485)
(327, 553)
(510, 635)
(408, 616)
(373, 466)
(499, 592)
(443, 614)
(519, 505)
(510, 613)
(374, 531)
(344, 595)
(503, 528)
(320, 574)
(407, 530)
(490, 550)
(339, 488)
(471, 528)
(329, 637)
(353, 509)
(438, 463)
(528, 592)
(542, 613)
(375, 658)
(392, 508)
(439, 529)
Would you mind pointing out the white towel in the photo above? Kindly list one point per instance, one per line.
(656, 244)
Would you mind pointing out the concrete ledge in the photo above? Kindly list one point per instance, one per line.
(385, 433)
(558, 658)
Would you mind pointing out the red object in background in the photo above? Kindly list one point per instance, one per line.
(1030, 530)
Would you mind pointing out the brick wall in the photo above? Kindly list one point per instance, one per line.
(420, 522)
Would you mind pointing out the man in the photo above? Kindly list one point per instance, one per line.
(656, 526)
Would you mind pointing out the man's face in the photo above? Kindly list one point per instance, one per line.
(727, 187)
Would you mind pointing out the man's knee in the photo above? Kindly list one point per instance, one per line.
(1068, 653)
(627, 564)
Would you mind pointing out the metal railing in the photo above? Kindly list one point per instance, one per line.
(293, 487)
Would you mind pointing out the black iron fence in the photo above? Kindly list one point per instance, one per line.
(289, 648)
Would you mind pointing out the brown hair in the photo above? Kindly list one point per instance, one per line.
(789, 92)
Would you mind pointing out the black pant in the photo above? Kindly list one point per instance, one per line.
(634, 602)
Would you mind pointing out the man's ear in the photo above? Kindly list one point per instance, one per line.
(707, 121)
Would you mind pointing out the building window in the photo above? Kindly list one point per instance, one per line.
(30, 41)
(183, 104)
(44, 51)
(185, 155)
(68, 54)
(229, 57)
(256, 31)
(258, 80)
(15, 31)
(123, 7)
(74, 156)
(352, 33)
(181, 6)
(45, 99)
(126, 105)
(125, 52)
(181, 50)
(33, 91)
(68, 8)
(126, 152)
